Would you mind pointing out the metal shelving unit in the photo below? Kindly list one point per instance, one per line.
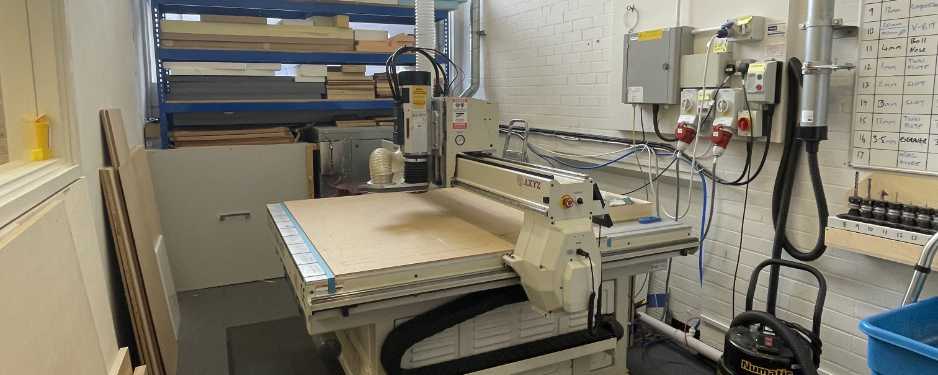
(287, 9)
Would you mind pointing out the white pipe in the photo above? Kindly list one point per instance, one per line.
(680, 337)
(426, 31)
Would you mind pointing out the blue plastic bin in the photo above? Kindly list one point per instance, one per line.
(904, 341)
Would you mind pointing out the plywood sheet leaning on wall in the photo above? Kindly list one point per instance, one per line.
(134, 292)
(145, 229)
(46, 322)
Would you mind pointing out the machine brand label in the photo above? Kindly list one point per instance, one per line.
(524, 181)
(758, 370)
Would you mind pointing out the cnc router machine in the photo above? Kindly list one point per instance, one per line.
(423, 274)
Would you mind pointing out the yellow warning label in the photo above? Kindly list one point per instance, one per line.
(721, 46)
(419, 96)
(757, 68)
(645, 36)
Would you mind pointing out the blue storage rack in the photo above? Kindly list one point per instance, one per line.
(288, 9)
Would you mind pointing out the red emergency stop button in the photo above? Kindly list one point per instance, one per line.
(759, 87)
(744, 123)
(567, 201)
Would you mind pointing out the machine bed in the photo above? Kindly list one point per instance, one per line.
(446, 241)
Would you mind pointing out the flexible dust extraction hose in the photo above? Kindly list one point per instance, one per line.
(784, 184)
(425, 25)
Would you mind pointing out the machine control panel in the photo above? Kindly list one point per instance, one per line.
(763, 82)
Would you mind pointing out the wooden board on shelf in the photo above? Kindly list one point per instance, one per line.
(220, 31)
(354, 123)
(195, 133)
(443, 224)
(233, 142)
(233, 19)
(371, 35)
(322, 46)
(911, 188)
(874, 246)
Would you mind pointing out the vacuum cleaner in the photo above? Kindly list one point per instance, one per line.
(760, 343)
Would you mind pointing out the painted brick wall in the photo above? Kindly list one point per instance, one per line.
(556, 63)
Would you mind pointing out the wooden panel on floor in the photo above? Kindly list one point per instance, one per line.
(143, 216)
(134, 291)
(121, 365)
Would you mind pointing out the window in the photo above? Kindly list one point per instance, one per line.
(32, 84)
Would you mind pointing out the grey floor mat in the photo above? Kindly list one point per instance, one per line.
(279, 347)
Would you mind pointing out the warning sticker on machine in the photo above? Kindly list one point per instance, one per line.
(419, 96)
(460, 118)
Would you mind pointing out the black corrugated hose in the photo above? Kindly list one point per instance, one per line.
(784, 184)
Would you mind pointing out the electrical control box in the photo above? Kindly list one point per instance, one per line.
(689, 107)
(764, 82)
(652, 65)
(747, 28)
(749, 123)
(693, 69)
(729, 103)
(470, 125)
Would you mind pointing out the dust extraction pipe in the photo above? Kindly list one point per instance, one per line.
(681, 338)
(426, 31)
(475, 48)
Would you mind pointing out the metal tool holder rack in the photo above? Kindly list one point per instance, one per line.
(285, 9)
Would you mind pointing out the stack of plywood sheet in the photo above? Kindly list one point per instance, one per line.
(340, 21)
(138, 241)
(255, 37)
(227, 88)
(311, 73)
(387, 45)
(382, 87)
(349, 82)
(229, 137)
(357, 123)
(221, 69)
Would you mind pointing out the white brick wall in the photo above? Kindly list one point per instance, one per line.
(556, 63)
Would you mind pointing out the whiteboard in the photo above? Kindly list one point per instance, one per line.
(895, 123)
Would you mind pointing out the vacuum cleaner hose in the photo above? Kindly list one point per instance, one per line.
(784, 182)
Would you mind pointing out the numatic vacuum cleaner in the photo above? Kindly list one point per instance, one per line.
(760, 343)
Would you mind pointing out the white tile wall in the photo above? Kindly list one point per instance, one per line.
(555, 62)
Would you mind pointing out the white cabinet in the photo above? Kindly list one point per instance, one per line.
(212, 207)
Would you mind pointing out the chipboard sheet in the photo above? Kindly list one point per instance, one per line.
(896, 114)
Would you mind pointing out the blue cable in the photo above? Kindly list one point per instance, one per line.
(703, 182)
(703, 218)
(587, 167)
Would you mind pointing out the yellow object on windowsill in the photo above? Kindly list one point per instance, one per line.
(41, 129)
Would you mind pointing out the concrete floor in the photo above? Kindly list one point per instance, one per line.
(207, 314)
